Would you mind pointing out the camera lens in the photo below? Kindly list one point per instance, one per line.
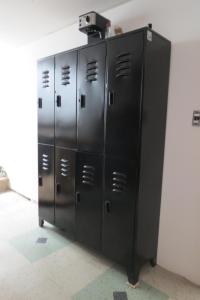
(87, 19)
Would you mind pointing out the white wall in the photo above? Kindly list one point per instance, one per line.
(178, 20)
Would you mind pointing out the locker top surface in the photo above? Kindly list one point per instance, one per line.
(143, 29)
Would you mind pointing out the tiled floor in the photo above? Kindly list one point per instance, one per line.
(56, 268)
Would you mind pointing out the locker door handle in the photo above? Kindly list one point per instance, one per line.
(108, 206)
(78, 198)
(82, 101)
(111, 98)
(39, 102)
(58, 101)
(40, 181)
(58, 188)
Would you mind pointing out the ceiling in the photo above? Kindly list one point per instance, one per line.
(24, 21)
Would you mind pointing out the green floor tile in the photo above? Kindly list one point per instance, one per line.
(111, 281)
(27, 244)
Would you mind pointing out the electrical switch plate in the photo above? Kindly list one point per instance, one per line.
(196, 118)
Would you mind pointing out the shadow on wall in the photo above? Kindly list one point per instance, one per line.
(179, 240)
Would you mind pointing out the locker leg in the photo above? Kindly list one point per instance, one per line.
(133, 277)
(153, 262)
(134, 272)
(41, 222)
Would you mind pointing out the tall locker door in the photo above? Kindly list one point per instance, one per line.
(65, 189)
(65, 101)
(89, 199)
(124, 60)
(118, 214)
(91, 83)
(46, 182)
(46, 101)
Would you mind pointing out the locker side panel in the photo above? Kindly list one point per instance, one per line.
(46, 101)
(118, 213)
(65, 189)
(65, 102)
(124, 60)
(91, 85)
(156, 80)
(89, 199)
(46, 182)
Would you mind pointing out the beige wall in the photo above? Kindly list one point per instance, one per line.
(179, 239)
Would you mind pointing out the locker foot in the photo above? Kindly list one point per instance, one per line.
(133, 276)
(133, 280)
(41, 222)
(153, 262)
(133, 271)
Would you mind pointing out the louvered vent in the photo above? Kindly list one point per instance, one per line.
(64, 167)
(45, 162)
(119, 182)
(65, 75)
(92, 70)
(45, 79)
(87, 175)
(123, 65)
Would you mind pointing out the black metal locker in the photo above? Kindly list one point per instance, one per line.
(65, 99)
(46, 101)
(124, 63)
(119, 208)
(65, 189)
(91, 84)
(46, 183)
(89, 169)
(114, 112)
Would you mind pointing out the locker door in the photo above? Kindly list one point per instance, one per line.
(65, 189)
(46, 182)
(124, 59)
(89, 199)
(118, 215)
(65, 102)
(91, 82)
(46, 101)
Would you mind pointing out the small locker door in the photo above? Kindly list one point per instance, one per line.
(65, 101)
(118, 214)
(124, 60)
(89, 199)
(65, 189)
(91, 82)
(46, 182)
(46, 101)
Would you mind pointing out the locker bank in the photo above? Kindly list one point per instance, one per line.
(101, 135)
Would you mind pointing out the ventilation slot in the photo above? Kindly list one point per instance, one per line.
(45, 79)
(119, 182)
(123, 65)
(92, 71)
(64, 167)
(65, 75)
(87, 175)
(45, 162)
